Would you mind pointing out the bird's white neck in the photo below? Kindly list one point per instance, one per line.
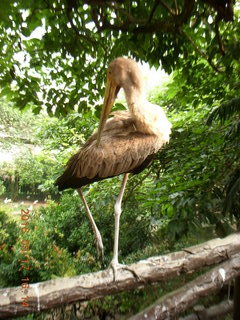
(137, 105)
(148, 118)
(135, 98)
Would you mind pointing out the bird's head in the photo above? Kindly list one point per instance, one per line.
(122, 73)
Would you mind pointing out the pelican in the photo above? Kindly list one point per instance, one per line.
(123, 144)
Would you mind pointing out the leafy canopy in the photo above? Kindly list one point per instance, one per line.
(64, 69)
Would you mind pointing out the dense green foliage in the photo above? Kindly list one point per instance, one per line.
(8, 237)
(25, 167)
(200, 162)
(62, 244)
(190, 193)
(16, 127)
(64, 67)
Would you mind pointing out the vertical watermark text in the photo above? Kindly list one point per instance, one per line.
(25, 255)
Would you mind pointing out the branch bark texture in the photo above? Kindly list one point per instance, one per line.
(218, 311)
(170, 305)
(50, 294)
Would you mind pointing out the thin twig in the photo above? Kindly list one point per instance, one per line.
(176, 6)
(166, 6)
(75, 29)
(219, 39)
(156, 4)
(130, 192)
(144, 26)
(202, 53)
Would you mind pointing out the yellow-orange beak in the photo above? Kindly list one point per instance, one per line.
(111, 92)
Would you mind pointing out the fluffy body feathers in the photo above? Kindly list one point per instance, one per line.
(128, 140)
(122, 149)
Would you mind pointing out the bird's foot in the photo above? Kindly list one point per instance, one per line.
(115, 266)
(99, 245)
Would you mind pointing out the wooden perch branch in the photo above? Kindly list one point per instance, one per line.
(218, 311)
(181, 299)
(54, 293)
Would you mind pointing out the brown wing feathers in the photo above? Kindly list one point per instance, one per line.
(122, 149)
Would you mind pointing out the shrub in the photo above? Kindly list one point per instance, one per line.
(8, 236)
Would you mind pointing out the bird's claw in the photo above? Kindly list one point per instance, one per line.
(99, 245)
(134, 273)
(116, 266)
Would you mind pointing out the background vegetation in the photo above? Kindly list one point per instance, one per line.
(50, 89)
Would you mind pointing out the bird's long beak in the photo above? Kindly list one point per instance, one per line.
(111, 92)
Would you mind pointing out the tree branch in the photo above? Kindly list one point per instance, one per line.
(176, 6)
(166, 6)
(156, 4)
(137, 184)
(75, 28)
(219, 39)
(224, 8)
(170, 305)
(145, 26)
(186, 11)
(218, 311)
(201, 53)
(50, 294)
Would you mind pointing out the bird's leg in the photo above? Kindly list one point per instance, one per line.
(96, 232)
(117, 212)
